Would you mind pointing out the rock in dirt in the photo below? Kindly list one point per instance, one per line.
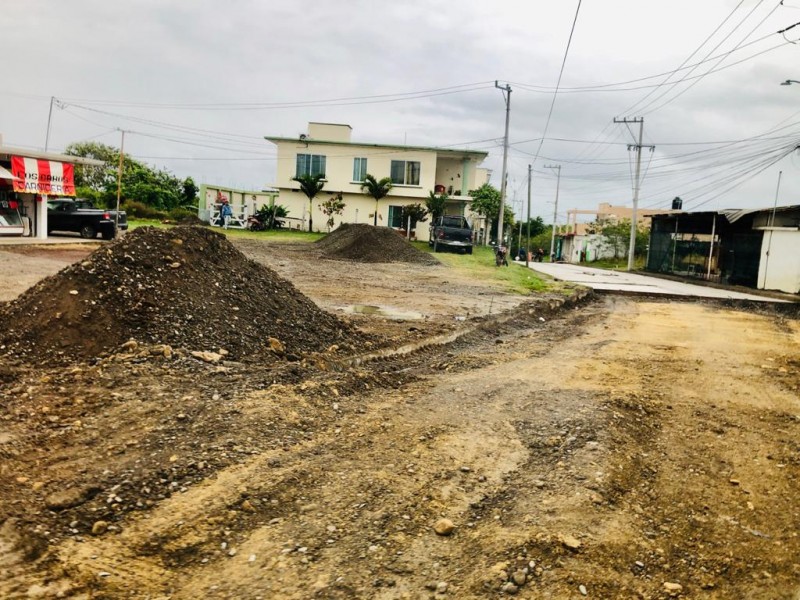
(570, 542)
(509, 588)
(69, 498)
(444, 527)
(365, 243)
(206, 356)
(519, 577)
(129, 292)
(672, 588)
(99, 527)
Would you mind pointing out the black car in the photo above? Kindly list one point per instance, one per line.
(66, 214)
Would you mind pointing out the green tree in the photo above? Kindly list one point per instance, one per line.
(141, 183)
(537, 226)
(376, 189)
(486, 202)
(435, 204)
(416, 212)
(189, 194)
(332, 206)
(310, 185)
(618, 235)
(542, 239)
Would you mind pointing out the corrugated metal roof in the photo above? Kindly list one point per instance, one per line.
(731, 214)
(734, 214)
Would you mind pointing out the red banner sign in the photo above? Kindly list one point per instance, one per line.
(37, 176)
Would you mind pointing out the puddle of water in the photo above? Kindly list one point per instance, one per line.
(382, 311)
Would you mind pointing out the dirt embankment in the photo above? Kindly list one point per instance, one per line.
(621, 449)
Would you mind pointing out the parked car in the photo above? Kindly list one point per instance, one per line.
(452, 231)
(79, 215)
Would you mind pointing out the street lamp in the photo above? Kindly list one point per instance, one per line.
(789, 82)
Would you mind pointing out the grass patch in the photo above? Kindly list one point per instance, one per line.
(276, 235)
(616, 264)
(480, 265)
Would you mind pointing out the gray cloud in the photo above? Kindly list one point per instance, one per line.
(150, 51)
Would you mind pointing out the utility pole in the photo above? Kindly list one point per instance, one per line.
(49, 119)
(507, 98)
(636, 184)
(528, 244)
(119, 180)
(555, 210)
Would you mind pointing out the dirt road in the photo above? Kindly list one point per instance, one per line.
(612, 449)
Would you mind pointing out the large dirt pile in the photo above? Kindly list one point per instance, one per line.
(365, 243)
(187, 287)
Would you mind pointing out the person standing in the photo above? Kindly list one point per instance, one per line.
(226, 212)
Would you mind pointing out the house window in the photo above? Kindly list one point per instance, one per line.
(405, 172)
(359, 169)
(310, 164)
(396, 217)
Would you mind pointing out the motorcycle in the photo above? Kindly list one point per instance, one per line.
(255, 224)
(501, 256)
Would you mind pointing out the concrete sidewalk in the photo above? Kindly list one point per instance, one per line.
(622, 281)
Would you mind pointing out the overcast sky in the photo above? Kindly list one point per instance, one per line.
(197, 84)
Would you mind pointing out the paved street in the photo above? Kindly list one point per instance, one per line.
(622, 281)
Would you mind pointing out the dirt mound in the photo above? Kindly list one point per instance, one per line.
(187, 287)
(365, 243)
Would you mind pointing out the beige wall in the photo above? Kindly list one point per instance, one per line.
(359, 208)
(436, 168)
(330, 132)
(339, 166)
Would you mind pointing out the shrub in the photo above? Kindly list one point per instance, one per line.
(182, 214)
(142, 211)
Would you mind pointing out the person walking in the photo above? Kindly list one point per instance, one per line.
(226, 212)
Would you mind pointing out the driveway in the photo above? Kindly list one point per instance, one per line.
(622, 281)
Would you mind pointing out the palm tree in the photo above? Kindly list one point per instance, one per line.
(435, 204)
(310, 185)
(377, 189)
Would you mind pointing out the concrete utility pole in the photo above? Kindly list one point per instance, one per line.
(119, 181)
(49, 119)
(507, 97)
(555, 209)
(528, 244)
(636, 184)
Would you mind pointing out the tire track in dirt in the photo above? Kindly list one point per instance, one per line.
(618, 447)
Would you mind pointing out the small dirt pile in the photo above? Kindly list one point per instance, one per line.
(187, 287)
(365, 243)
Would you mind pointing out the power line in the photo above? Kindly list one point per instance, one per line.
(696, 81)
(558, 83)
(344, 101)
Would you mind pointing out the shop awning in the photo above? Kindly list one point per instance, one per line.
(5, 173)
(40, 176)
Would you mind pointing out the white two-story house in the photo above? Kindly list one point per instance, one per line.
(415, 172)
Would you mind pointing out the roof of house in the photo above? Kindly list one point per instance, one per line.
(455, 151)
(54, 156)
(732, 214)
